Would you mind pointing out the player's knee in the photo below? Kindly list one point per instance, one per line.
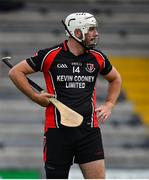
(56, 172)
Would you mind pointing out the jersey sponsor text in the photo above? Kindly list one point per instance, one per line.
(75, 81)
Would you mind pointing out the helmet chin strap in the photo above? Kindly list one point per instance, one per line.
(86, 47)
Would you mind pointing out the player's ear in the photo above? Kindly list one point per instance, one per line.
(78, 33)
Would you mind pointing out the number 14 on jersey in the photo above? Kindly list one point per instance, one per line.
(76, 69)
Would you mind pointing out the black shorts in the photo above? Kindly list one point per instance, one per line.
(67, 145)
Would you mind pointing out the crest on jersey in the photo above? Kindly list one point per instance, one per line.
(90, 67)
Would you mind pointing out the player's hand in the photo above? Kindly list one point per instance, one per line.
(104, 111)
(43, 99)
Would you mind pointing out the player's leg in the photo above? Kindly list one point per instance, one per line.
(93, 170)
(90, 154)
(58, 153)
(56, 172)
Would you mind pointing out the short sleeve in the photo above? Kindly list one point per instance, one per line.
(36, 61)
(107, 66)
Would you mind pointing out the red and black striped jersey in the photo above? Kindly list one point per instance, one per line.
(71, 79)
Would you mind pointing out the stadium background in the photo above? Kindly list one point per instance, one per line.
(28, 25)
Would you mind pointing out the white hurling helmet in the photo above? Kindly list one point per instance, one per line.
(82, 21)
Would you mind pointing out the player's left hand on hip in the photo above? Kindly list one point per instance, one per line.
(103, 112)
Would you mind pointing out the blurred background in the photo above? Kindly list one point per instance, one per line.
(29, 25)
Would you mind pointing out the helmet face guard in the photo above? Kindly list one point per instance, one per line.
(82, 21)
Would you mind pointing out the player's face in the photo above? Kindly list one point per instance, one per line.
(92, 36)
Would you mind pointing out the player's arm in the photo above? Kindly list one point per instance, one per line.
(18, 75)
(114, 87)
